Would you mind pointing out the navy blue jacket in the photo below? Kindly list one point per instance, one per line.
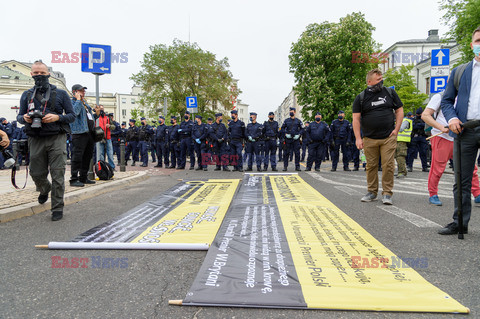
(236, 129)
(270, 129)
(218, 131)
(255, 130)
(292, 127)
(340, 129)
(200, 131)
(161, 134)
(318, 132)
(186, 128)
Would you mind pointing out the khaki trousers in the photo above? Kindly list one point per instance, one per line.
(384, 149)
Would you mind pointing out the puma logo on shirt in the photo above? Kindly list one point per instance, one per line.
(381, 100)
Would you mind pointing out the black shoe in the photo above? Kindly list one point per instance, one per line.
(355, 169)
(171, 166)
(274, 169)
(259, 169)
(452, 229)
(191, 168)
(333, 170)
(42, 198)
(409, 169)
(217, 169)
(181, 167)
(249, 169)
(205, 169)
(240, 169)
(317, 169)
(284, 169)
(298, 169)
(144, 165)
(133, 164)
(57, 216)
(76, 183)
(154, 161)
(347, 169)
(226, 169)
(87, 181)
(158, 166)
(235, 169)
(308, 169)
(198, 169)
(425, 170)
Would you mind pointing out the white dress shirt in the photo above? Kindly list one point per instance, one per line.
(473, 112)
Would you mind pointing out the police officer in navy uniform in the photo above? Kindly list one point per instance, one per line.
(292, 129)
(418, 142)
(174, 142)
(186, 146)
(115, 135)
(145, 133)
(318, 135)
(161, 142)
(270, 133)
(340, 129)
(132, 141)
(199, 136)
(254, 133)
(236, 132)
(304, 141)
(219, 135)
(354, 151)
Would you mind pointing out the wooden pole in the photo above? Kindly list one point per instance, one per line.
(175, 302)
(41, 246)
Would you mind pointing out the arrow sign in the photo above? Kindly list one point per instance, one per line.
(440, 57)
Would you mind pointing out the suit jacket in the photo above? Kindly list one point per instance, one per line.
(462, 95)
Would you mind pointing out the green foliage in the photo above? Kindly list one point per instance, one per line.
(462, 17)
(327, 74)
(180, 70)
(405, 87)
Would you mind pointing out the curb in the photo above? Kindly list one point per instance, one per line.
(29, 209)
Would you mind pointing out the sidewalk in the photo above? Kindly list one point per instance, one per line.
(20, 203)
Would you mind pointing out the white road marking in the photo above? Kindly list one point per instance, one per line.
(415, 219)
(348, 190)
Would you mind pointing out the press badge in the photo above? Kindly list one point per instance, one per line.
(31, 106)
(89, 116)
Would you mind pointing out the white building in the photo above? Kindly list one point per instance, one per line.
(283, 110)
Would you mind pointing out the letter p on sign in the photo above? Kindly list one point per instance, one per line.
(91, 60)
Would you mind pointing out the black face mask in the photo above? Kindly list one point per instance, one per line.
(186, 117)
(318, 119)
(376, 87)
(270, 118)
(220, 121)
(340, 117)
(143, 123)
(102, 112)
(41, 81)
(171, 121)
(292, 114)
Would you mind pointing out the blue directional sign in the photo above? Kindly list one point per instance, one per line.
(96, 58)
(440, 57)
(438, 84)
(192, 106)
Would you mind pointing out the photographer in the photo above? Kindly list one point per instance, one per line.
(41, 111)
(82, 138)
(105, 146)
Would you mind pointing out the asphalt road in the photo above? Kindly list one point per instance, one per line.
(30, 287)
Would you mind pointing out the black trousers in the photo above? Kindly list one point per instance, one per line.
(82, 153)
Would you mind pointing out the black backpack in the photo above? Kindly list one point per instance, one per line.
(103, 170)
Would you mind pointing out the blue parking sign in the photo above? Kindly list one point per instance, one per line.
(96, 58)
(438, 84)
(192, 106)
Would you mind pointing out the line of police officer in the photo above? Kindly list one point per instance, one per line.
(212, 143)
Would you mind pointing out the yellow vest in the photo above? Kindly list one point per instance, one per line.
(406, 135)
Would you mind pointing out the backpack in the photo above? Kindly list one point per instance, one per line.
(103, 170)
(458, 74)
(389, 91)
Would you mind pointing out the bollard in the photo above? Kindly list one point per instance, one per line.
(122, 155)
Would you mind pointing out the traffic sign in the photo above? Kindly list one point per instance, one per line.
(438, 84)
(96, 58)
(192, 106)
(440, 57)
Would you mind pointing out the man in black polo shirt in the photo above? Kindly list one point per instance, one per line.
(378, 111)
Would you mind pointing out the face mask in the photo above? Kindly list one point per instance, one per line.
(102, 112)
(160, 122)
(270, 118)
(186, 117)
(251, 119)
(234, 117)
(143, 123)
(41, 81)
(476, 49)
(220, 120)
(317, 119)
(340, 117)
(377, 87)
(292, 114)
(171, 121)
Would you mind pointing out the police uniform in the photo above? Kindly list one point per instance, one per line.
(418, 143)
(270, 133)
(340, 134)
(292, 130)
(132, 143)
(236, 132)
(186, 146)
(255, 143)
(318, 136)
(161, 144)
(115, 136)
(145, 132)
(199, 137)
(219, 135)
(174, 146)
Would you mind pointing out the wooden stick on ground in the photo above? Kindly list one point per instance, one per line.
(175, 302)
(41, 246)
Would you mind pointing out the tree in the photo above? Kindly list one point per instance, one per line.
(462, 17)
(405, 87)
(180, 70)
(330, 61)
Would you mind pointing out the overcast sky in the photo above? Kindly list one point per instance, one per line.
(256, 36)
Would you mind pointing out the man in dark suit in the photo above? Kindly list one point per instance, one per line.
(467, 94)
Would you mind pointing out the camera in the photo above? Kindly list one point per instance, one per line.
(36, 116)
(20, 147)
(8, 157)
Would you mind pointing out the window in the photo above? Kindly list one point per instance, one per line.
(124, 113)
(124, 100)
(427, 85)
(241, 111)
(133, 101)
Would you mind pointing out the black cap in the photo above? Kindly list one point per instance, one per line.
(419, 110)
(161, 117)
(173, 117)
(233, 112)
(198, 117)
(318, 113)
(187, 112)
(218, 114)
(340, 112)
(77, 87)
(124, 123)
(142, 118)
(271, 113)
(409, 114)
(293, 109)
(132, 120)
(253, 113)
(209, 119)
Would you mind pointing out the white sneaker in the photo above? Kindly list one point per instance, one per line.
(369, 197)
(387, 200)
